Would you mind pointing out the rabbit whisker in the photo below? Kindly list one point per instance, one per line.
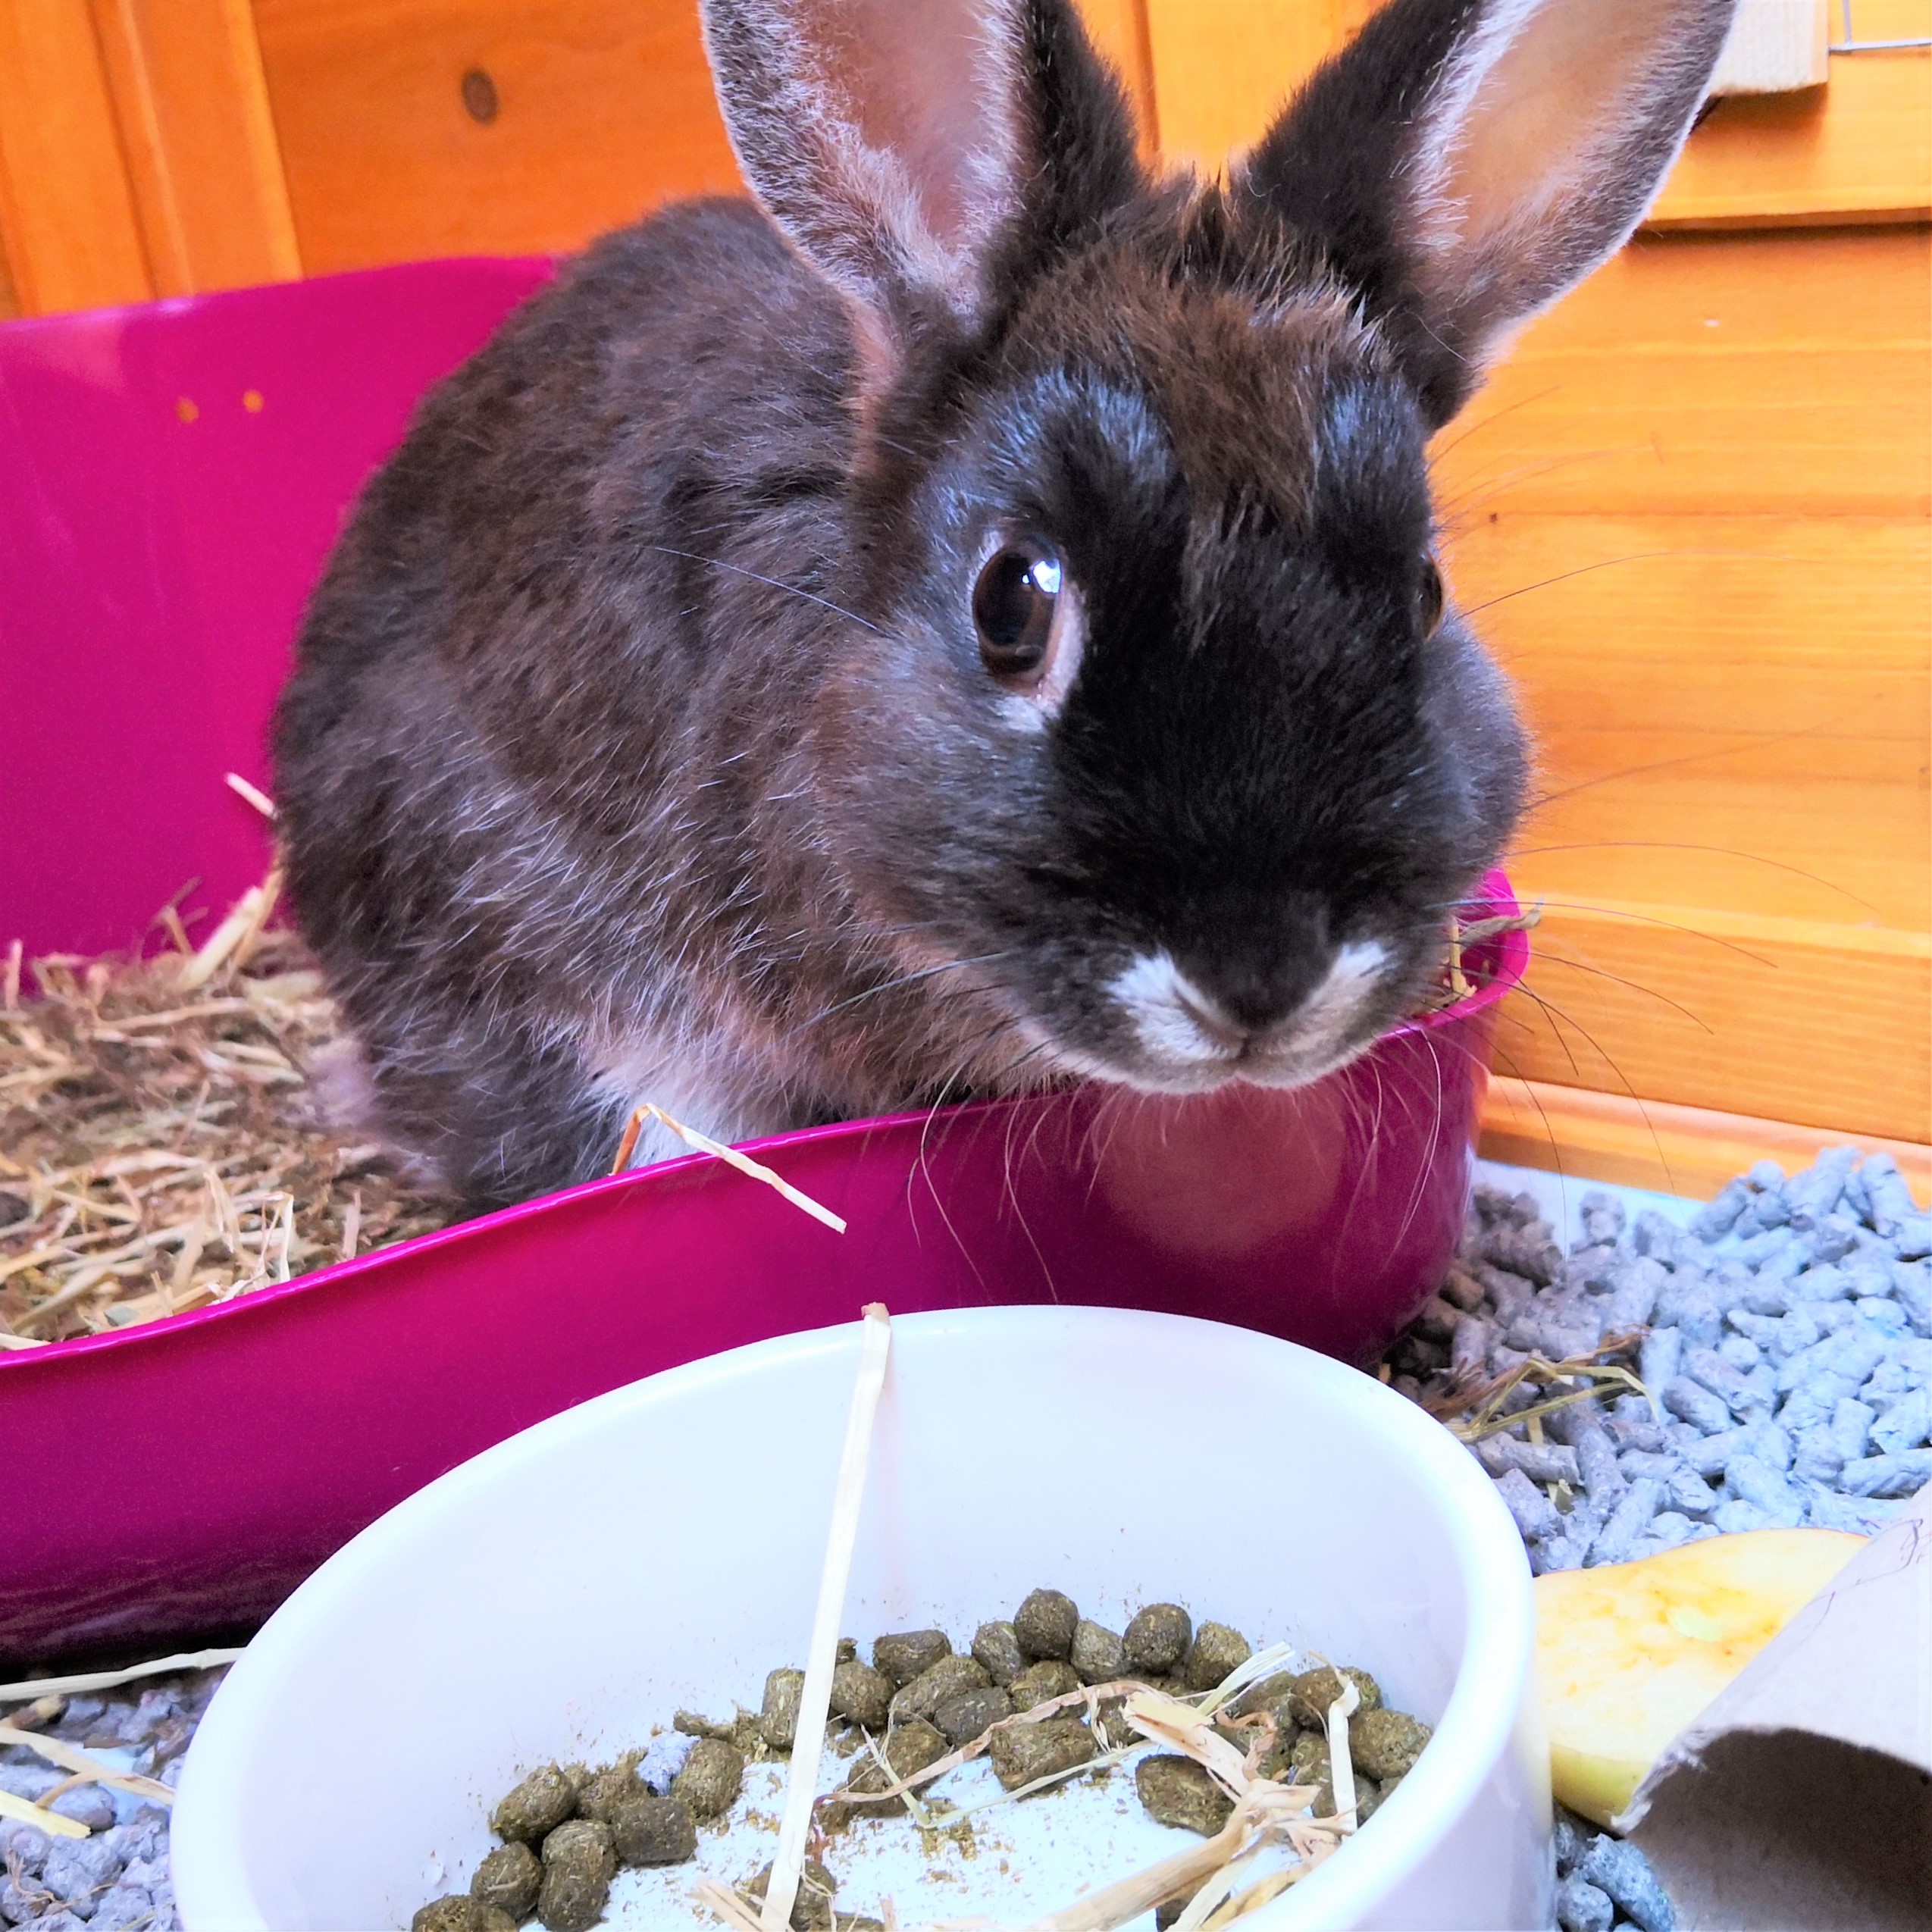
(738, 570)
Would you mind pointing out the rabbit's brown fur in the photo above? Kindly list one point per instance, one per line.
(640, 746)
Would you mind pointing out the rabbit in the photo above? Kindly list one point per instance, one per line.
(965, 619)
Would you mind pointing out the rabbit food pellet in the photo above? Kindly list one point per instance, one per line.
(569, 1831)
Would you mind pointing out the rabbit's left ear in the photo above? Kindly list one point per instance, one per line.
(1464, 162)
(900, 144)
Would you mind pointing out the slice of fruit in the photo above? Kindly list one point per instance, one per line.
(1631, 1653)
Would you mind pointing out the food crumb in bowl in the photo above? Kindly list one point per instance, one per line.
(936, 1788)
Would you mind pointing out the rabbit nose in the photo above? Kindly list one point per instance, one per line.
(1235, 1003)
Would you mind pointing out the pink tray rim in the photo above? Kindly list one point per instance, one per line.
(1494, 894)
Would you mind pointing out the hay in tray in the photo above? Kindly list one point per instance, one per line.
(160, 1147)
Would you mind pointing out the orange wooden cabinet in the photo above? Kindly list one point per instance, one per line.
(1691, 510)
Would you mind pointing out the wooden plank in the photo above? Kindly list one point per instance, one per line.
(1859, 149)
(1754, 374)
(1222, 69)
(1748, 290)
(1730, 712)
(206, 172)
(1674, 1150)
(1826, 1025)
(67, 221)
(600, 110)
(1728, 671)
(592, 112)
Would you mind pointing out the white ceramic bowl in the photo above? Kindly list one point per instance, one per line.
(660, 1547)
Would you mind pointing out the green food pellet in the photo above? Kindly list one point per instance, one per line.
(1035, 1685)
(1313, 1691)
(1115, 1730)
(653, 1831)
(812, 1904)
(964, 1718)
(862, 1695)
(536, 1808)
(1177, 1791)
(708, 1785)
(1386, 1743)
(1157, 1637)
(507, 1879)
(460, 1912)
(904, 1654)
(1264, 1694)
(1215, 1652)
(1044, 1624)
(1098, 1655)
(996, 1650)
(1023, 1752)
(777, 1716)
(579, 1862)
(603, 1791)
(908, 1748)
(951, 1677)
(1308, 1763)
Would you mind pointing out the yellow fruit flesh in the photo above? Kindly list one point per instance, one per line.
(1631, 1654)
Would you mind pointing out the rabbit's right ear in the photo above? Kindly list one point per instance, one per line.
(1464, 162)
(899, 145)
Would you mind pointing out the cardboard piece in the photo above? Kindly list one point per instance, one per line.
(1775, 47)
(1801, 1801)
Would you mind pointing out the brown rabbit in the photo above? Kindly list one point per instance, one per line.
(967, 619)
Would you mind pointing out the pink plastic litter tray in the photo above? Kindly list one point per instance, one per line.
(171, 479)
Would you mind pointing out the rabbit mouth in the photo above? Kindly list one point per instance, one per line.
(1184, 1039)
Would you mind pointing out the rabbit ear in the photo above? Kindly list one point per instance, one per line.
(1464, 162)
(897, 144)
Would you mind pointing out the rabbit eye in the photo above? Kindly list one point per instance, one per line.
(1429, 597)
(1013, 605)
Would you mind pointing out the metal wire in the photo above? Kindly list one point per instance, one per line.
(1851, 44)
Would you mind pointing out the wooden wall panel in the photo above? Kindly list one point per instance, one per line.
(202, 160)
(1859, 149)
(68, 225)
(1758, 374)
(1694, 503)
(1690, 1150)
(1224, 68)
(594, 111)
(600, 112)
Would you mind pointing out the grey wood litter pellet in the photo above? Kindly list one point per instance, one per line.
(116, 1881)
(1786, 1340)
